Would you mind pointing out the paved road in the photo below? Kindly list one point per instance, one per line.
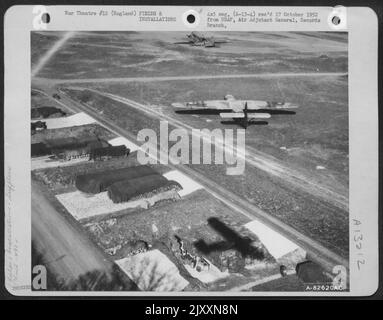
(68, 251)
(197, 77)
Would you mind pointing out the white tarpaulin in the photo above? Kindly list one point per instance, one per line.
(77, 119)
(153, 271)
(276, 244)
(188, 185)
(123, 141)
(82, 205)
(207, 275)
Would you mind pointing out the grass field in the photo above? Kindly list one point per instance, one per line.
(39, 100)
(122, 54)
(317, 135)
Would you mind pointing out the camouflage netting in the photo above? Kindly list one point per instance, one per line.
(39, 149)
(46, 112)
(99, 182)
(71, 143)
(97, 144)
(109, 151)
(140, 187)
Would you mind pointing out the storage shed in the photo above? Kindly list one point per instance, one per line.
(46, 112)
(146, 186)
(99, 182)
(105, 153)
(72, 148)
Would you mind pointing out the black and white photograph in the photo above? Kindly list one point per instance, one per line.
(190, 161)
(182, 153)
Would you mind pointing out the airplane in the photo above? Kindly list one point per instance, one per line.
(242, 112)
(197, 39)
(244, 245)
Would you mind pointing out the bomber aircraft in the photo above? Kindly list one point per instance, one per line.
(242, 112)
(197, 39)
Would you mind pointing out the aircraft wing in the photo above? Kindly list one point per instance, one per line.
(258, 104)
(218, 104)
(281, 105)
(179, 105)
(235, 115)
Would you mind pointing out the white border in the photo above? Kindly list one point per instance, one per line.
(363, 125)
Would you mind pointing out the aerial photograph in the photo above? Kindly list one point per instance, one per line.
(194, 162)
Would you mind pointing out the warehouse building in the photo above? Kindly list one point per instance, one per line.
(74, 148)
(141, 187)
(47, 112)
(108, 152)
(99, 182)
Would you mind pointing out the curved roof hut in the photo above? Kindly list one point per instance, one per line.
(72, 145)
(141, 187)
(109, 152)
(99, 182)
(46, 112)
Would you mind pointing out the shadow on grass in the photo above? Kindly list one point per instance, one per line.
(233, 241)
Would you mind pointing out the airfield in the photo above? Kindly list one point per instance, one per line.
(296, 178)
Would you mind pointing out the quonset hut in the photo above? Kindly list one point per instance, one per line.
(99, 182)
(47, 112)
(73, 148)
(106, 153)
(141, 187)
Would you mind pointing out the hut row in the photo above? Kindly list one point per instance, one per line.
(126, 184)
(108, 152)
(99, 182)
(47, 112)
(73, 148)
(141, 187)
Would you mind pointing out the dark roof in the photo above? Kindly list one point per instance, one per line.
(113, 151)
(126, 190)
(99, 182)
(72, 143)
(45, 112)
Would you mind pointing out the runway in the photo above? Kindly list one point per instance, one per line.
(38, 80)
